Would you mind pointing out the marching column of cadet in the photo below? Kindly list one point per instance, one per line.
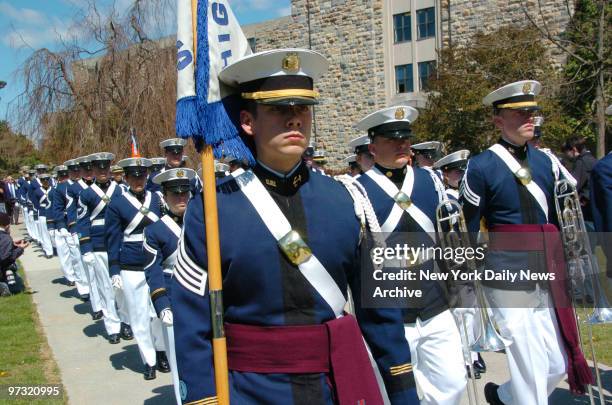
(131, 239)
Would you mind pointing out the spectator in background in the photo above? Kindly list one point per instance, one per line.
(3, 194)
(10, 192)
(582, 162)
(9, 252)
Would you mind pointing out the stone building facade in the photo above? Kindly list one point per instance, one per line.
(380, 51)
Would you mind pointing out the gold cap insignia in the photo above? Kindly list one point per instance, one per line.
(400, 114)
(138, 162)
(527, 88)
(291, 63)
(180, 173)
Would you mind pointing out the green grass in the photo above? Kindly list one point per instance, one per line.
(25, 357)
(602, 334)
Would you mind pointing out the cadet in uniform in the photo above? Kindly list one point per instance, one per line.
(157, 164)
(72, 208)
(601, 206)
(362, 152)
(354, 168)
(117, 173)
(430, 328)
(41, 202)
(283, 311)
(35, 184)
(126, 217)
(426, 153)
(453, 167)
(173, 157)
(510, 186)
(22, 192)
(160, 248)
(64, 210)
(93, 203)
(58, 215)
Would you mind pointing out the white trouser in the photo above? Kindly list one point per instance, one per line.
(94, 291)
(171, 355)
(467, 323)
(26, 220)
(122, 307)
(80, 274)
(33, 227)
(143, 319)
(63, 252)
(437, 363)
(45, 238)
(106, 293)
(536, 357)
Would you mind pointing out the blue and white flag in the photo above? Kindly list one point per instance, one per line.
(200, 113)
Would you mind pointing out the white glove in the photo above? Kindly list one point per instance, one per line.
(52, 234)
(166, 317)
(89, 259)
(117, 282)
(64, 232)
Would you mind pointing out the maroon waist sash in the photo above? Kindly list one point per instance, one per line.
(335, 347)
(546, 238)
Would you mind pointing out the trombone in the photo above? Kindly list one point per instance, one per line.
(578, 254)
(452, 231)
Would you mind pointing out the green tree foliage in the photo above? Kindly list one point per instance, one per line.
(16, 150)
(581, 71)
(455, 114)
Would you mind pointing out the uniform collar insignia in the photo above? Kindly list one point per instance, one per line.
(520, 152)
(282, 184)
(395, 175)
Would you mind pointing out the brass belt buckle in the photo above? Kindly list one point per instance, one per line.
(105, 199)
(294, 247)
(144, 210)
(403, 200)
(524, 175)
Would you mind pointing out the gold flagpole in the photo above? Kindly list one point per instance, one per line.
(215, 281)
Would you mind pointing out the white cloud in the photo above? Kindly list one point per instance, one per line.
(26, 16)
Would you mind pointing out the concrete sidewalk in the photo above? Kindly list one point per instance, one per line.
(96, 372)
(92, 370)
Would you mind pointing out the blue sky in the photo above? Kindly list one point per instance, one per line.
(27, 25)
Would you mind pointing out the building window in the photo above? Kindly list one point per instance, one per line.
(402, 27)
(253, 44)
(426, 70)
(403, 79)
(426, 23)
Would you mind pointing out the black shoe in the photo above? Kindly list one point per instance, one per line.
(149, 373)
(114, 339)
(71, 284)
(162, 362)
(49, 256)
(97, 315)
(126, 331)
(84, 297)
(480, 364)
(476, 373)
(490, 392)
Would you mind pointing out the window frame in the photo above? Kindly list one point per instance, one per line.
(408, 80)
(406, 16)
(427, 23)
